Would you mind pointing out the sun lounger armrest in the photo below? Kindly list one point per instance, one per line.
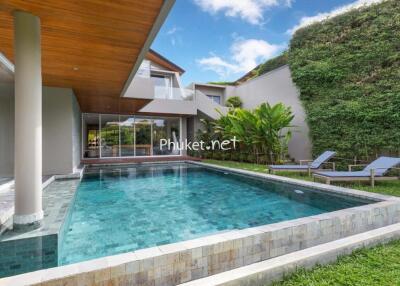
(356, 165)
(304, 161)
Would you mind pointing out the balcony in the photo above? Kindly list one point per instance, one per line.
(173, 93)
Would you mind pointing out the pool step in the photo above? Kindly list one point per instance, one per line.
(268, 271)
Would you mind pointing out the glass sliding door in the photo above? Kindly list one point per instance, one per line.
(143, 146)
(110, 137)
(127, 129)
(166, 129)
(91, 136)
(113, 136)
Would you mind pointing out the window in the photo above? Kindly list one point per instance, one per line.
(162, 86)
(215, 98)
(143, 136)
(108, 135)
(90, 135)
(127, 129)
(166, 129)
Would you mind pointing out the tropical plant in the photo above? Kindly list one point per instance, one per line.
(264, 131)
(234, 102)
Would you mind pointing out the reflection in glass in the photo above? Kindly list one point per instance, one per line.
(109, 136)
(143, 136)
(168, 129)
(90, 135)
(127, 129)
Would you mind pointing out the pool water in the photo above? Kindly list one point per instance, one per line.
(118, 210)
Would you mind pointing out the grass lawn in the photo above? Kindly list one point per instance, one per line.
(385, 187)
(366, 267)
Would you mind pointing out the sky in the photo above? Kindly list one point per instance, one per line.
(221, 40)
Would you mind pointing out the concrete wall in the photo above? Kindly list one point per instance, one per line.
(61, 131)
(166, 106)
(210, 90)
(76, 133)
(184, 133)
(274, 87)
(6, 130)
(207, 106)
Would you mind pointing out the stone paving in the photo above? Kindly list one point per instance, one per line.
(7, 198)
(6, 205)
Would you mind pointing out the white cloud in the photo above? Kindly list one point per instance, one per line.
(218, 65)
(173, 30)
(250, 11)
(308, 20)
(173, 33)
(245, 55)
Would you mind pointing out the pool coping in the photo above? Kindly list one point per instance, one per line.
(275, 269)
(315, 185)
(184, 261)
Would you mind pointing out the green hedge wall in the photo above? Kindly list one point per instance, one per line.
(272, 64)
(348, 72)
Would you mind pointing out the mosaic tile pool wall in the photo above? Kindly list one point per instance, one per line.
(28, 254)
(119, 210)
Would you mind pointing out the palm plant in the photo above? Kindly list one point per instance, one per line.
(265, 130)
(274, 123)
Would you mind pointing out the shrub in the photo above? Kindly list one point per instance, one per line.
(234, 102)
(348, 70)
(272, 64)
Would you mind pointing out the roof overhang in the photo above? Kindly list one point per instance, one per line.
(94, 47)
(164, 62)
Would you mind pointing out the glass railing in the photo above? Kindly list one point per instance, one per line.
(173, 93)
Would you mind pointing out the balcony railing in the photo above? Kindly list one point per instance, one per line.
(173, 93)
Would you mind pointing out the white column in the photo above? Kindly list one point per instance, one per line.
(28, 119)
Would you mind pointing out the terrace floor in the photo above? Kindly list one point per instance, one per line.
(7, 198)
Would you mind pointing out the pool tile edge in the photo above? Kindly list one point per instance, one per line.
(184, 261)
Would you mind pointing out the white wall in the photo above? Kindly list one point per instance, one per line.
(274, 87)
(210, 90)
(6, 130)
(167, 106)
(61, 131)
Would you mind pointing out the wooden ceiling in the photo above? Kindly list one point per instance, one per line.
(90, 46)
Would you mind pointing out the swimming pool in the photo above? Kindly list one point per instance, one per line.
(117, 210)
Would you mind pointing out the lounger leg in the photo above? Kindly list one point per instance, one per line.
(372, 178)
